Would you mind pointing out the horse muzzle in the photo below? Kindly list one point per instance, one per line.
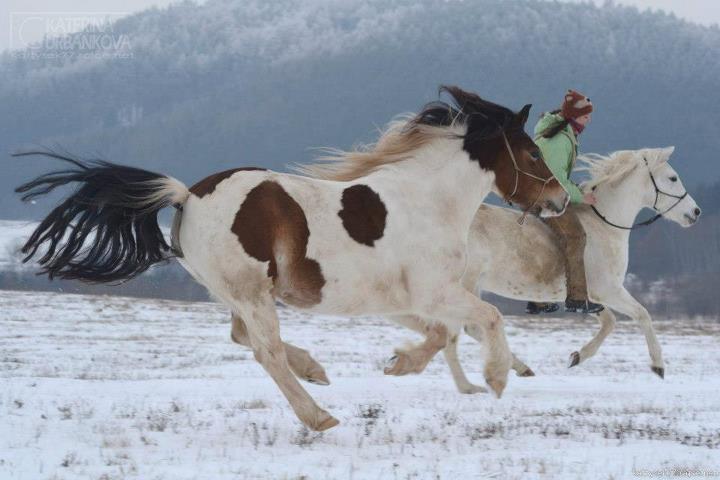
(693, 217)
(555, 207)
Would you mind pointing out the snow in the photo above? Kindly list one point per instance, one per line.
(12, 236)
(122, 388)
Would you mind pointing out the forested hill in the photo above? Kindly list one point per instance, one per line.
(252, 82)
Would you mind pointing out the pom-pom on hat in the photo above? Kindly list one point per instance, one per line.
(575, 105)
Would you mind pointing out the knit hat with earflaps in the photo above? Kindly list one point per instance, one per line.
(575, 105)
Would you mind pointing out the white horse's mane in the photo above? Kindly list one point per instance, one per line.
(615, 166)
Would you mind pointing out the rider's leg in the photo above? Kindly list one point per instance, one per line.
(571, 236)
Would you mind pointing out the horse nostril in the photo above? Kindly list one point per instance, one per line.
(697, 211)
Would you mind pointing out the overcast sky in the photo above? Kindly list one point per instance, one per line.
(14, 17)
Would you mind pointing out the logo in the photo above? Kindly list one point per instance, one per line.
(68, 35)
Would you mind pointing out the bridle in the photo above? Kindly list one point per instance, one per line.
(658, 192)
(519, 171)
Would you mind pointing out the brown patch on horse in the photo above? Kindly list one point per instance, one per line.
(272, 227)
(207, 185)
(363, 214)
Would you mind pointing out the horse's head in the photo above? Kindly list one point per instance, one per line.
(663, 190)
(636, 179)
(496, 139)
(521, 174)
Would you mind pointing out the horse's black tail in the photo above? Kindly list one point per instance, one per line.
(107, 230)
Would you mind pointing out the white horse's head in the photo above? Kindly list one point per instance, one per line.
(644, 176)
(667, 194)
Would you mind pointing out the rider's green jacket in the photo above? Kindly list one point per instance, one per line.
(559, 153)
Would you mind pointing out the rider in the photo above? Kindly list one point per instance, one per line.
(556, 135)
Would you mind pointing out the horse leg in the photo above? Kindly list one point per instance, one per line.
(263, 329)
(521, 370)
(415, 358)
(302, 364)
(626, 304)
(456, 306)
(607, 324)
(461, 381)
(402, 361)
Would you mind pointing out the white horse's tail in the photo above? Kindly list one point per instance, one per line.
(107, 230)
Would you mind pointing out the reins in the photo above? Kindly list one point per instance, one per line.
(679, 198)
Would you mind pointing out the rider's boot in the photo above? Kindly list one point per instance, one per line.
(534, 308)
(582, 306)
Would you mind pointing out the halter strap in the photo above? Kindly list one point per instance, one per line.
(518, 171)
(679, 198)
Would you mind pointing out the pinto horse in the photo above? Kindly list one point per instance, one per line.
(382, 230)
(524, 263)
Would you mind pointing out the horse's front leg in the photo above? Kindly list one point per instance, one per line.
(461, 381)
(626, 304)
(455, 307)
(302, 364)
(414, 359)
(607, 324)
(518, 365)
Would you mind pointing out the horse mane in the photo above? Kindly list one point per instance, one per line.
(409, 132)
(615, 166)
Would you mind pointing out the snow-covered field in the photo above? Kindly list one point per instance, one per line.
(116, 388)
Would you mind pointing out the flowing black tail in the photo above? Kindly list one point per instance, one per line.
(107, 230)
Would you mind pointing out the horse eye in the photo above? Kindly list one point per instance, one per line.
(673, 178)
(536, 154)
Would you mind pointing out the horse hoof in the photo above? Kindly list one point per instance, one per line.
(390, 365)
(526, 373)
(497, 386)
(574, 359)
(317, 381)
(472, 389)
(317, 376)
(659, 371)
(327, 424)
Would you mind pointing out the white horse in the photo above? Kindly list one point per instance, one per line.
(523, 262)
(379, 231)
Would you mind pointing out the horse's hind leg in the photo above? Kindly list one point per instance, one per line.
(414, 359)
(521, 370)
(303, 365)
(607, 323)
(263, 329)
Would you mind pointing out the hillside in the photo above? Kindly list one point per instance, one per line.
(235, 82)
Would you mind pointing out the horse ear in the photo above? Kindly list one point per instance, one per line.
(667, 151)
(523, 115)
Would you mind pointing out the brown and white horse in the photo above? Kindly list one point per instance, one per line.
(382, 230)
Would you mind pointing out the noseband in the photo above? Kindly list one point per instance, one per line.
(658, 192)
(518, 171)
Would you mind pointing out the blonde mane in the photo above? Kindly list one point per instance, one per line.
(615, 166)
(408, 133)
(400, 138)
